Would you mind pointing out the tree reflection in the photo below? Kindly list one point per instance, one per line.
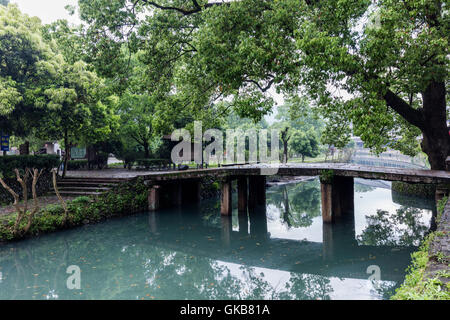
(362, 188)
(298, 203)
(128, 261)
(404, 228)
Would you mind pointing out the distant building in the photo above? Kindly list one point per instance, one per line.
(50, 148)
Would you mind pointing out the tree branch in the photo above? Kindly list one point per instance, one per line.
(410, 114)
(186, 12)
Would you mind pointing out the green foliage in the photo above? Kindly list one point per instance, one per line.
(9, 163)
(27, 67)
(418, 287)
(77, 164)
(391, 58)
(153, 163)
(441, 205)
(305, 144)
(326, 176)
(415, 189)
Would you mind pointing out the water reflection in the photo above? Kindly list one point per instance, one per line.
(281, 251)
(403, 228)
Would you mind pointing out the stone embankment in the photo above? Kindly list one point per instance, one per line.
(439, 251)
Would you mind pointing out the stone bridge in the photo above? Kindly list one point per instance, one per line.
(336, 184)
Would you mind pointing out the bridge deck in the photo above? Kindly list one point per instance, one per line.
(346, 170)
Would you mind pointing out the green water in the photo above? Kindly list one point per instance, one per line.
(282, 251)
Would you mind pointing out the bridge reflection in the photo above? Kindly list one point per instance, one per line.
(250, 243)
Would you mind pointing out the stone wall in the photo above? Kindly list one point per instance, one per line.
(439, 251)
(43, 186)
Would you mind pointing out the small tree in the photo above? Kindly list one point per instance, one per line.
(305, 144)
(22, 211)
(285, 136)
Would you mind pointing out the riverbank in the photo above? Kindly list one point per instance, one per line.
(126, 199)
(428, 276)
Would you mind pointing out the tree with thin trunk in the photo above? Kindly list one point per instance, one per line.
(22, 211)
(285, 136)
(58, 195)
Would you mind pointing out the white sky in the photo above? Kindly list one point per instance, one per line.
(47, 10)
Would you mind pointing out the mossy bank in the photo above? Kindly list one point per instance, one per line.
(428, 275)
(126, 199)
(414, 189)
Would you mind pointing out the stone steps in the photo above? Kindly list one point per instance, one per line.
(75, 186)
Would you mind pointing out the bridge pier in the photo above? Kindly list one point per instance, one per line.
(337, 198)
(154, 198)
(225, 198)
(256, 191)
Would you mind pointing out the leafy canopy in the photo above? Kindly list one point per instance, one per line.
(377, 68)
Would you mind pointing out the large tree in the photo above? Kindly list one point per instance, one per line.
(391, 57)
(27, 65)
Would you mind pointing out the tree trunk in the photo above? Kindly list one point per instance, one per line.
(303, 158)
(285, 151)
(436, 138)
(146, 150)
(67, 154)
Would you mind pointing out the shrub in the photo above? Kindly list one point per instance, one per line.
(418, 285)
(153, 163)
(77, 164)
(9, 163)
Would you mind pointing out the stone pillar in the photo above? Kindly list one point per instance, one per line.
(153, 198)
(346, 194)
(225, 198)
(256, 191)
(337, 198)
(242, 195)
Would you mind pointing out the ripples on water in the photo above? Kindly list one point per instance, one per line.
(280, 252)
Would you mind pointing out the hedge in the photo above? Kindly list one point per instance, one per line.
(77, 164)
(9, 163)
(153, 163)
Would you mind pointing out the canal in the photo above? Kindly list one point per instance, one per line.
(282, 251)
